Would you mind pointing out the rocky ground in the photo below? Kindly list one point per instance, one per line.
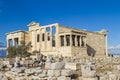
(40, 67)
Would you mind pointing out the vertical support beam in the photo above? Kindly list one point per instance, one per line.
(19, 40)
(13, 42)
(59, 41)
(106, 44)
(40, 38)
(56, 37)
(76, 43)
(64, 40)
(45, 37)
(70, 39)
(85, 42)
(35, 39)
(50, 36)
(80, 41)
(8, 45)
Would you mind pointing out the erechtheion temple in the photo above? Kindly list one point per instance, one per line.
(55, 39)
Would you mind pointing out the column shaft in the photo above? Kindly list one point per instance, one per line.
(70, 40)
(13, 42)
(84, 41)
(64, 40)
(76, 42)
(51, 36)
(106, 42)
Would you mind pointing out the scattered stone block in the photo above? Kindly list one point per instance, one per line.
(72, 66)
(88, 74)
(57, 65)
(57, 73)
(67, 72)
(48, 65)
(51, 73)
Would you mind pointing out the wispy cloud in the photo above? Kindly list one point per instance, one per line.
(2, 44)
(2, 48)
(115, 47)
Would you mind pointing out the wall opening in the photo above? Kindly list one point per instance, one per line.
(16, 42)
(82, 41)
(53, 36)
(78, 40)
(53, 30)
(48, 36)
(48, 33)
(53, 42)
(38, 37)
(62, 40)
(48, 29)
(68, 40)
(43, 37)
(10, 42)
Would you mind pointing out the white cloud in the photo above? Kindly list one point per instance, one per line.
(115, 47)
(2, 48)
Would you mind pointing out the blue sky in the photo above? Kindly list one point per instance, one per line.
(92, 15)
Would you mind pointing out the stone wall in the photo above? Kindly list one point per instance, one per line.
(95, 44)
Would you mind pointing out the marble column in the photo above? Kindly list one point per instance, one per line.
(76, 43)
(64, 40)
(13, 42)
(85, 42)
(51, 36)
(70, 40)
(106, 44)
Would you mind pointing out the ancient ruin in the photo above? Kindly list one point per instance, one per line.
(55, 39)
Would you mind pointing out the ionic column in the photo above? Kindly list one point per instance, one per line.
(13, 42)
(76, 40)
(40, 39)
(64, 40)
(51, 36)
(106, 44)
(85, 42)
(45, 37)
(70, 40)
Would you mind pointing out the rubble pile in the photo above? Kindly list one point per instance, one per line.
(60, 68)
